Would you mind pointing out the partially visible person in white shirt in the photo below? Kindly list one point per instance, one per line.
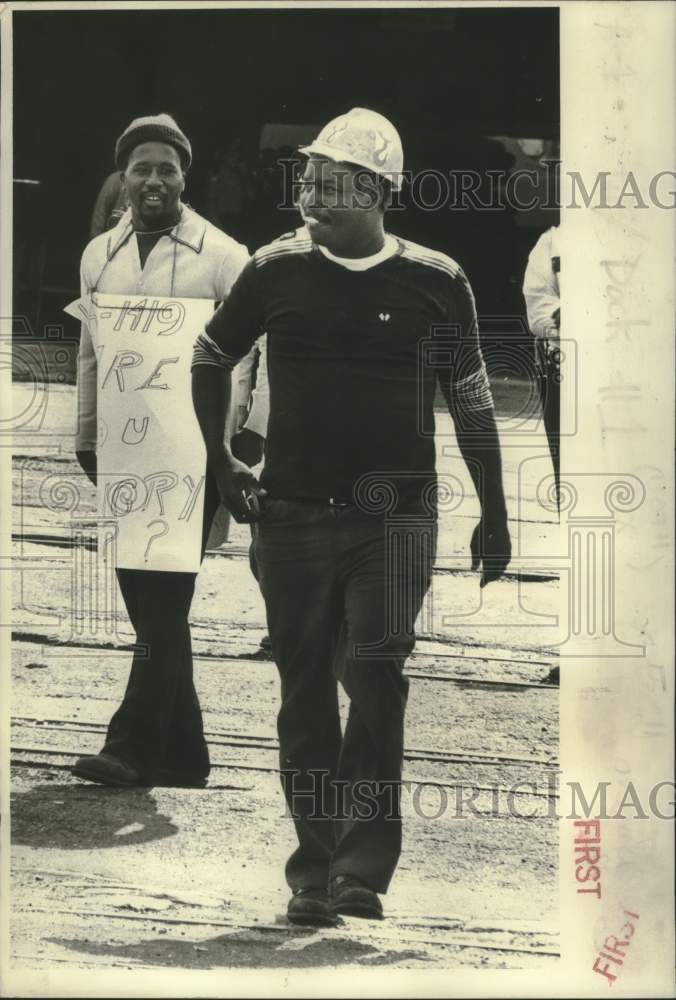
(542, 293)
(541, 286)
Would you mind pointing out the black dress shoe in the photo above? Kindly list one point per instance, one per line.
(106, 770)
(352, 898)
(310, 907)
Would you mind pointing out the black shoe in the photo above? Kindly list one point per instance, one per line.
(352, 898)
(553, 677)
(106, 770)
(310, 907)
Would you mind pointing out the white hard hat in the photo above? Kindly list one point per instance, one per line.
(365, 138)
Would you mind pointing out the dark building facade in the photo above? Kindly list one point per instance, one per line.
(464, 88)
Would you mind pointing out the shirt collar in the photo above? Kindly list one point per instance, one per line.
(389, 249)
(189, 230)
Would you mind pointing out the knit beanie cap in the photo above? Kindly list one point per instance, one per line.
(152, 128)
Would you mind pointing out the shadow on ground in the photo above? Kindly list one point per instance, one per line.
(83, 817)
(249, 948)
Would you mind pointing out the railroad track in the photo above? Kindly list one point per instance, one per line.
(412, 673)
(497, 792)
(402, 935)
(59, 758)
(241, 552)
(400, 930)
(257, 741)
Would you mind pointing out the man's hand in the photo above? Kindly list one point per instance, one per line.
(87, 460)
(247, 446)
(238, 489)
(491, 548)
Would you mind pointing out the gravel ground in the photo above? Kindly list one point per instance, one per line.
(193, 879)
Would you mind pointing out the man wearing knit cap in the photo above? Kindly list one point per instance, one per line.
(159, 247)
(345, 530)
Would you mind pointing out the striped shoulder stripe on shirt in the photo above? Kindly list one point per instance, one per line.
(207, 352)
(290, 243)
(431, 258)
(474, 392)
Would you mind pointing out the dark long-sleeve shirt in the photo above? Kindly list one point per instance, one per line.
(353, 359)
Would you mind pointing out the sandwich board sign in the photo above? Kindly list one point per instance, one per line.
(151, 456)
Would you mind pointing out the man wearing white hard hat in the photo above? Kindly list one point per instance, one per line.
(346, 306)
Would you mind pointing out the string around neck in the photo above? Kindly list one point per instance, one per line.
(154, 232)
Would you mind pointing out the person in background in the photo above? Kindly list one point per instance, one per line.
(344, 305)
(110, 205)
(541, 292)
(230, 191)
(159, 247)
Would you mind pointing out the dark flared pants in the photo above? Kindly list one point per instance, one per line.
(342, 590)
(158, 727)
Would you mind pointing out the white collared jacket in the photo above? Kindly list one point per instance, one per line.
(195, 260)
